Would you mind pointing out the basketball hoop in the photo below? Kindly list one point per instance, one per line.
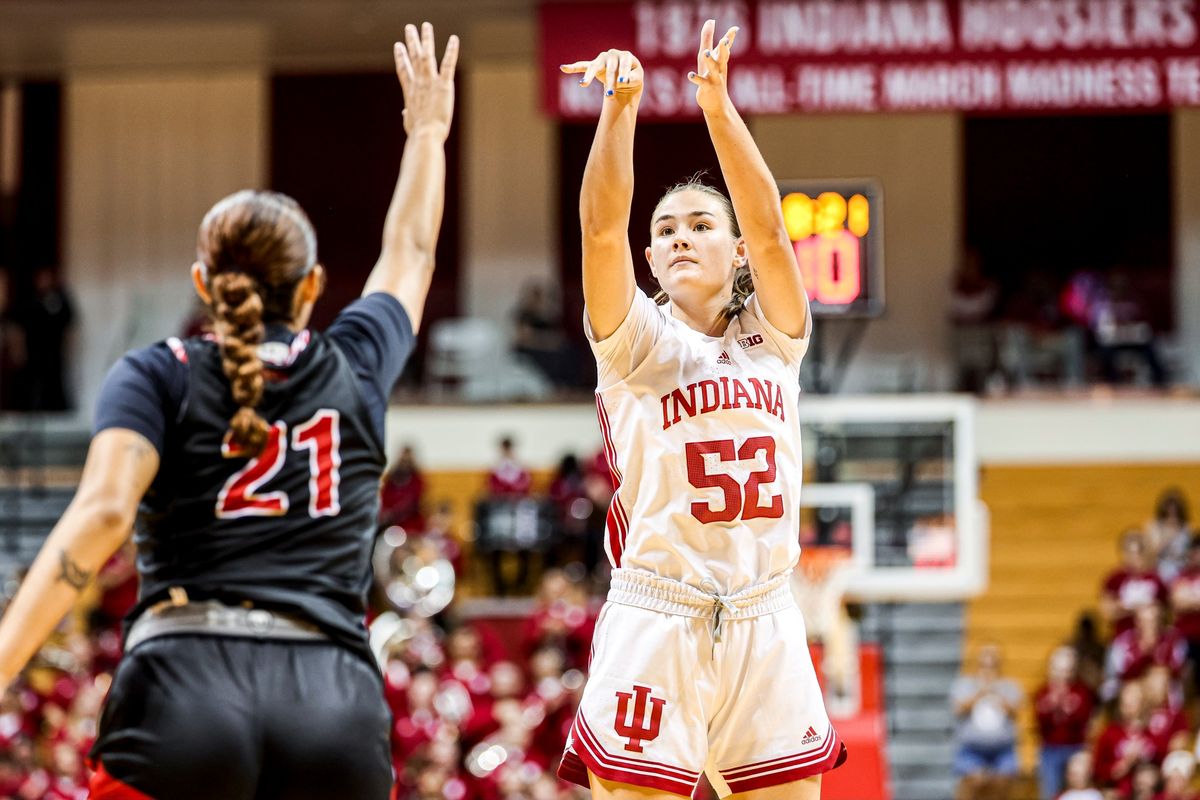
(820, 588)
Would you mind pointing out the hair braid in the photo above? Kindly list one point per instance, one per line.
(238, 316)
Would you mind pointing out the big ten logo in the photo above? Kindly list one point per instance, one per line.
(826, 233)
(753, 340)
(633, 724)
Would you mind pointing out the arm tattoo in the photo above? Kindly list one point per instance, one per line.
(71, 573)
(138, 450)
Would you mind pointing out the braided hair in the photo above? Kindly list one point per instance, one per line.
(743, 283)
(255, 247)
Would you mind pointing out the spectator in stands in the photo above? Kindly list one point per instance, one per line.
(538, 334)
(1170, 533)
(1148, 643)
(561, 619)
(986, 706)
(1120, 324)
(1080, 785)
(1132, 585)
(1177, 771)
(508, 478)
(973, 301)
(402, 492)
(1063, 708)
(1145, 782)
(1167, 723)
(1090, 652)
(1185, 604)
(46, 317)
(568, 493)
(1125, 742)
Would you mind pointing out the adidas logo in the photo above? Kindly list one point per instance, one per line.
(810, 736)
(724, 358)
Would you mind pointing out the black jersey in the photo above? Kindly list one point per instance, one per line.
(290, 529)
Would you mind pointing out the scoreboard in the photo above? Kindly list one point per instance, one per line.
(836, 228)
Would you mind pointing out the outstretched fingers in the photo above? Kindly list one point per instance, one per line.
(450, 58)
(427, 48)
(706, 44)
(413, 42)
(404, 69)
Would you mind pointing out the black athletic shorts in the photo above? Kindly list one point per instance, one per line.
(206, 717)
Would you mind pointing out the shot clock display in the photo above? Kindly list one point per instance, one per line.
(836, 228)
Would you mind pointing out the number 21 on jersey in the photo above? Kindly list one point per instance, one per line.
(320, 436)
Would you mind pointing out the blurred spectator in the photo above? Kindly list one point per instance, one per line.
(1167, 723)
(1121, 325)
(1147, 644)
(1185, 602)
(1169, 534)
(1177, 771)
(539, 336)
(986, 706)
(1090, 652)
(1124, 743)
(1079, 779)
(46, 318)
(561, 619)
(401, 494)
(972, 307)
(1063, 708)
(573, 508)
(1145, 782)
(508, 478)
(1132, 585)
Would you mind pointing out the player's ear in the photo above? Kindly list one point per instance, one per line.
(741, 255)
(200, 282)
(650, 261)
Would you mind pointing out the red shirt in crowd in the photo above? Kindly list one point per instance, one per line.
(1063, 713)
(1121, 743)
(1131, 659)
(1188, 584)
(509, 479)
(1133, 589)
(1164, 724)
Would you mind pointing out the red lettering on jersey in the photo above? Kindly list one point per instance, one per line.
(638, 729)
(710, 396)
(741, 398)
(688, 405)
(726, 403)
(762, 394)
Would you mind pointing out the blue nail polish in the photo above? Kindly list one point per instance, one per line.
(620, 80)
(609, 92)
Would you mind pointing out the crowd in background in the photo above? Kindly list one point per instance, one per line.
(1117, 714)
(481, 706)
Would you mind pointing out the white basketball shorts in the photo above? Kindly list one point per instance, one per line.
(683, 682)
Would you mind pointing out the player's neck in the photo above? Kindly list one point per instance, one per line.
(707, 318)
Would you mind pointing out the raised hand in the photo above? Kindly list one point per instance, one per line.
(712, 68)
(428, 90)
(619, 70)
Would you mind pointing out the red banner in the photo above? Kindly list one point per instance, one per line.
(846, 56)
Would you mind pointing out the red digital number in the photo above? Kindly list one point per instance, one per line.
(831, 266)
(321, 437)
(739, 500)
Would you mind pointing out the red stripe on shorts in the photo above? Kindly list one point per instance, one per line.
(591, 746)
(786, 769)
(103, 786)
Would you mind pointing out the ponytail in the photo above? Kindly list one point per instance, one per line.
(237, 308)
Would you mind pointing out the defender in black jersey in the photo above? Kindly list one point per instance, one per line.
(252, 460)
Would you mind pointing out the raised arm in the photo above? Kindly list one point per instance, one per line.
(752, 188)
(410, 231)
(120, 466)
(607, 191)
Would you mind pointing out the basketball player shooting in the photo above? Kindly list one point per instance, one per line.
(700, 662)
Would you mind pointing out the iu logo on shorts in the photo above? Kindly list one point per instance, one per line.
(638, 729)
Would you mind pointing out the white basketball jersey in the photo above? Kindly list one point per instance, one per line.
(703, 439)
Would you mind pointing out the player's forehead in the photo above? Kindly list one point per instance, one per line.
(686, 204)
